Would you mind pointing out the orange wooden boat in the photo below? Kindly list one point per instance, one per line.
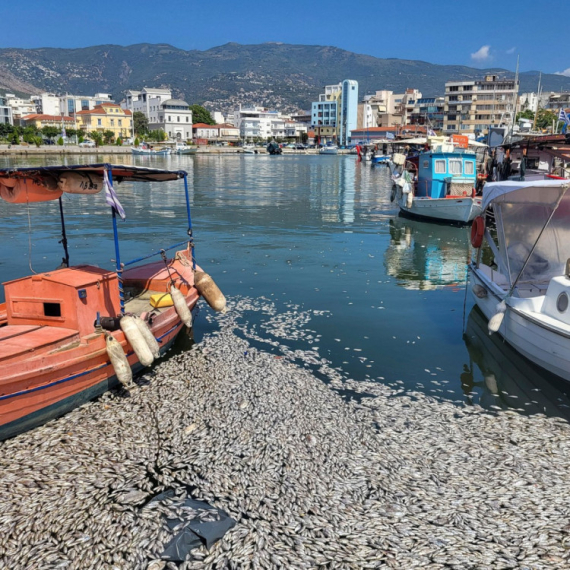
(53, 326)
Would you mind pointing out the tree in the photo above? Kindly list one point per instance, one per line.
(140, 123)
(544, 119)
(15, 138)
(119, 142)
(96, 137)
(108, 136)
(60, 141)
(137, 141)
(528, 114)
(157, 135)
(50, 132)
(201, 115)
(37, 141)
(304, 138)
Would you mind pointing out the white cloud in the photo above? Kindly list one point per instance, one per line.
(482, 54)
(566, 72)
(511, 50)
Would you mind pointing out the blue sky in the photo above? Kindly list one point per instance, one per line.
(481, 33)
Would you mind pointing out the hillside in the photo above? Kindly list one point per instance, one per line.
(276, 75)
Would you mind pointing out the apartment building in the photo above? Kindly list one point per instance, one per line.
(386, 108)
(474, 106)
(427, 111)
(71, 104)
(19, 107)
(258, 122)
(335, 114)
(5, 111)
(174, 117)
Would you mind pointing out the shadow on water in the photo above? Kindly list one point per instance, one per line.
(498, 377)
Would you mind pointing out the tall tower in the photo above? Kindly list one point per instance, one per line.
(348, 116)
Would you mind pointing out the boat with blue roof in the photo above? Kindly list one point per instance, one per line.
(437, 183)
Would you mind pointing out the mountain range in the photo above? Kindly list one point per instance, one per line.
(275, 75)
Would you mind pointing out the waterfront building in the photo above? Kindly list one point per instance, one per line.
(215, 133)
(557, 101)
(19, 107)
(475, 106)
(40, 120)
(147, 101)
(174, 117)
(46, 104)
(106, 117)
(348, 110)
(258, 122)
(5, 111)
(324, 114)
(217, 117)
(386, 108)
(71, 104)
(427, 111)
(372, 134)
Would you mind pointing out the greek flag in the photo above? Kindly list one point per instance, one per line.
(111, 196)
(563, 116)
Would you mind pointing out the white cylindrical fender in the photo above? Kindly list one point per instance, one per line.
(80, 183)
(151, 342)
(181, 307)
(136, 340)
(210, 291)
(119, 361)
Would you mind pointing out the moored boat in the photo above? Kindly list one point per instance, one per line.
(437, 184)
(185, 149)
(149, 151)
(525, 293)
(65, 335)
(329, 149)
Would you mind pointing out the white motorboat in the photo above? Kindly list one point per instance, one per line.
(148, 151)
(249, 149)
(182, 148)
(329, 150)
(525, 293)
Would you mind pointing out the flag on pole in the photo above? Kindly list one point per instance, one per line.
(111, 196)
(562, 116)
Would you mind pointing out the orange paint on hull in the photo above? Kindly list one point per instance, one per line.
(39, 378)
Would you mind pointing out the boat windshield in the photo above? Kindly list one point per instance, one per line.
(521, 213)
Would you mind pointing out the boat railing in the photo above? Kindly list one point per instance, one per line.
(159, 252)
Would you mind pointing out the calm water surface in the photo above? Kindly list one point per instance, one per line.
(316, 233)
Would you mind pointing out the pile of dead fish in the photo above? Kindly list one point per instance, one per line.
(382, 478)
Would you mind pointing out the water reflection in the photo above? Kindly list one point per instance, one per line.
(498, 377)
(426, 256)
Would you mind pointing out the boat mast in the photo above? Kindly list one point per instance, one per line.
(537, 101)
(513, 118)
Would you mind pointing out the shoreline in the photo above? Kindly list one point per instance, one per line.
(53, 150)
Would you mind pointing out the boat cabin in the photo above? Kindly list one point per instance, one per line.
(445, 172)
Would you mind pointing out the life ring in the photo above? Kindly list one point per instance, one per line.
(477, 231)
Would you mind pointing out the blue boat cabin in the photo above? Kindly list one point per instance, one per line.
(446, 174)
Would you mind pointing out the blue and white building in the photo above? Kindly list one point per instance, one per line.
(335, 114)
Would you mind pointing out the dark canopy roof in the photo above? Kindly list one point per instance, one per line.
(119, 172)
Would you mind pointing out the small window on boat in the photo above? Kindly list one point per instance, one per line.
(440, 166)
(426, 163)
(455, 167)
(52, 309)
(469, 167)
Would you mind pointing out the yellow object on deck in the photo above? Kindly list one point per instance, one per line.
(159, 300)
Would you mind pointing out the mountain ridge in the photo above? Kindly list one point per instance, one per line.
(272, 74)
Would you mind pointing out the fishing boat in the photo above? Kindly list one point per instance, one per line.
(437, 184)
(329, 149)
(185, 149)
(249, 149)
(525, 291)
(67, 335)
(149, 151)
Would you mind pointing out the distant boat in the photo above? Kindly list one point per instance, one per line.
(146, 151)
(249, 149)
(332, 149)
(185, 149)
(274, 148)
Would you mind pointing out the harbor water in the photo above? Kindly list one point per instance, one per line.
(377, 297)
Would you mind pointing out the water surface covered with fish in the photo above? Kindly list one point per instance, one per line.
(374, 296)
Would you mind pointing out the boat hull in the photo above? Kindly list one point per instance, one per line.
(535, 340)
(187, 151)
(461, 210)
(39, 385)
(145, 152)
(328, 151)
